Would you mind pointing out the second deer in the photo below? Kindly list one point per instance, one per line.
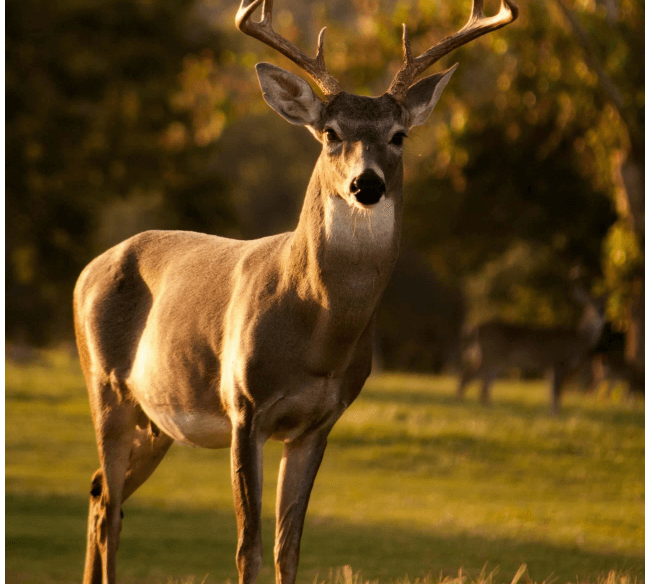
(496, 347)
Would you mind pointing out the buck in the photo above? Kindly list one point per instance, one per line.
(497, 346)
(224, 343)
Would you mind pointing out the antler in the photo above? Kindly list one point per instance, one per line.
(264, 32)
(477, 25)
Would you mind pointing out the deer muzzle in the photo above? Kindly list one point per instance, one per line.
(367, 188)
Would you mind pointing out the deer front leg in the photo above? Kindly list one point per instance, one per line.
(488, 378)
(247, 481)
(299, 466)
(469, 373)
(559, 375)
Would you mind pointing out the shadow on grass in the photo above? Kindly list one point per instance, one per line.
(45, 539)
(438, 456)
(416, 397)
(30, 397)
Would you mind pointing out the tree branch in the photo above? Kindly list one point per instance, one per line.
(608, 86)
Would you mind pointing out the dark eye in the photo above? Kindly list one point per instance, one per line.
(331, 135)
(398, 138)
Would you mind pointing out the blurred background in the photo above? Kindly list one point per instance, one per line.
(127, 115)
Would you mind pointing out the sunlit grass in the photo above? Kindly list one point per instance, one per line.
(413, 484)
(346, 575)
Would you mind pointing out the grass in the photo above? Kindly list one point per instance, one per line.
(346, 575)
(413, 484)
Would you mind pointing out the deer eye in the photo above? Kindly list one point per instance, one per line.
(398, 138)
(331, 135)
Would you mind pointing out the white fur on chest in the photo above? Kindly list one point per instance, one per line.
(361, 232)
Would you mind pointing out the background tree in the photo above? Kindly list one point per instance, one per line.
(96, 147)
(624, 256)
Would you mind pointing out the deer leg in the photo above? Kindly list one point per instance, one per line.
(92, 570)
(148, 451)
(247, 482)
(469, 373)
(115, 424)
(299, 466)
(559, 374)
(598, 374)
(488, 378)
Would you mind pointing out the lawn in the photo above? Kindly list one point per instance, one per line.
(413, 483)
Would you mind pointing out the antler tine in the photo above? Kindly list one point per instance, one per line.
(264, 32)
(476, 26)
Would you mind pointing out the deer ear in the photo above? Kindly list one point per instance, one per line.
(422, 97)
(289, 95)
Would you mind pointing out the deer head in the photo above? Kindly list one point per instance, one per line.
(362, 137)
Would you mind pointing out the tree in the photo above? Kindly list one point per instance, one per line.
(92, 135)
(625, 254)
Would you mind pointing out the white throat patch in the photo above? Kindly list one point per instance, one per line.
(363, 230)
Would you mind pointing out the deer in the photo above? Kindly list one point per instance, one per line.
(497, 346)
(608, 362)
(222, 343)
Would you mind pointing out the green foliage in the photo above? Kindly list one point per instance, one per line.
(413, 483)
(623, 269)
(90, 122)
(525, 162)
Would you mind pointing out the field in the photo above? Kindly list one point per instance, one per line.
(413, 483)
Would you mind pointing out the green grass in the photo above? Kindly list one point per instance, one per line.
(413, 483)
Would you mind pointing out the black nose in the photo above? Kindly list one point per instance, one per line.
(368, 187)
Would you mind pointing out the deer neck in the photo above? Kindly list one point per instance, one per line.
(341, 259)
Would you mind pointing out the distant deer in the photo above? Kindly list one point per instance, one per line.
(497, 346)
(223, 343)
(608, 363)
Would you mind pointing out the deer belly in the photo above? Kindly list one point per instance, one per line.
(204, 429)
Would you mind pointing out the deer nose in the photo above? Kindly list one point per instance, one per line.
(368, 188)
